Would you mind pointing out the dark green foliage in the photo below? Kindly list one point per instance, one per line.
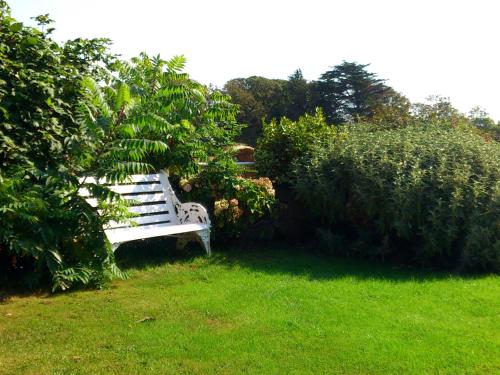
(260, 99)
(298, 96)
(39, 92)
(56, 125)
(285, 141)
(428, 194)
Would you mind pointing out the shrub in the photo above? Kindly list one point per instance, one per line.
(233, 201)
(283, 142)
(201, 121)
(58, 125)
(429, 194)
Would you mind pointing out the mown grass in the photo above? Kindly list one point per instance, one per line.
(257, 311)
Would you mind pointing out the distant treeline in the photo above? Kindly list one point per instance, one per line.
(347, 93)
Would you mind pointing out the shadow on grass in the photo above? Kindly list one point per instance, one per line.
(154, 252)
(271, 258)
(276, 258)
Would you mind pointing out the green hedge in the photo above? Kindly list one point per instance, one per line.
(428, 194)
(283, 142)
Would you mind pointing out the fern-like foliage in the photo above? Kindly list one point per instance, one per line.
(195, 121)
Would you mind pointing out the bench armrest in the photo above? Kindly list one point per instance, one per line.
(193, 213)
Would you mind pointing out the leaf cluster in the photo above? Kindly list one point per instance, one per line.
(285, 141)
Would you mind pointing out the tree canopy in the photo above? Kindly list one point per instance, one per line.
(349, 92)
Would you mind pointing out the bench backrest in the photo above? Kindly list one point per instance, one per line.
(151, 196)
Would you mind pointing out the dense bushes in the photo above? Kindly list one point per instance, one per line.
(429, 194)
(285, 141)
(45, 144)
(280, 145)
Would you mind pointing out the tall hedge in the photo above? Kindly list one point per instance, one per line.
(428, 194)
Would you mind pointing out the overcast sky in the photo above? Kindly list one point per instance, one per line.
(422, 47)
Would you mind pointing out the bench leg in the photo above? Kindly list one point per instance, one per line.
(204, 238)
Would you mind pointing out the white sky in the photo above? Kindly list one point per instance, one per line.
(422, 47)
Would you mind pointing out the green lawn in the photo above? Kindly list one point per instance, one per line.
(261, 311)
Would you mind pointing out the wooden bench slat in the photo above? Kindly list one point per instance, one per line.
(129, 189)
(143, 198)
(149, 208)
(147, 197)
(143, 220)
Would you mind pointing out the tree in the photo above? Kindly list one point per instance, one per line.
(259, 99)
(437, 110)
(202, 121)
(349, 92)
(297, 96)
(481, 119)
(393, 111)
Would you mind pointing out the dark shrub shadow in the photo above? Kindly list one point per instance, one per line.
(308, 261)
(266, 257)
(142, 254)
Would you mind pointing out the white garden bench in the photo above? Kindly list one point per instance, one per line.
(159, 212)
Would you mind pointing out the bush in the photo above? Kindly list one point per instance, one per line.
(428, 194)
(234, 202)
(45, 228)
(282, 143)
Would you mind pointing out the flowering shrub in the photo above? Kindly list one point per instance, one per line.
(234, 202)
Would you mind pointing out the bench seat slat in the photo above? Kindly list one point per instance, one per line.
(127, 189)
(155, 230)
(146, 198)
(142, 220)
(143, 198)
(131, 188)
